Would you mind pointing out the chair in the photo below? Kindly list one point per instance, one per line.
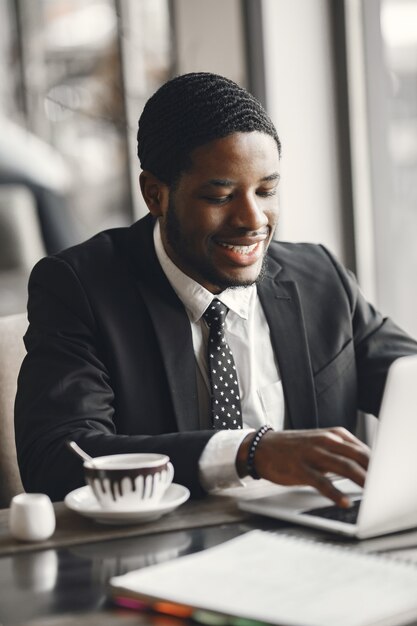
(12, 351)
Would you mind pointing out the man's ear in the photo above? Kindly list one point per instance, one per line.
(154, 192)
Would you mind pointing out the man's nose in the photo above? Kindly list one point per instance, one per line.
(249, 214)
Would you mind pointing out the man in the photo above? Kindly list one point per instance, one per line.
(122, 346)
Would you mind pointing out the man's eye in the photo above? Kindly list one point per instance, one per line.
(267, 193)
(217, 200)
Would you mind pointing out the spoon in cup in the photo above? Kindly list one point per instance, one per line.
(76, 448)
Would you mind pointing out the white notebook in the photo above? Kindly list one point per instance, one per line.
(278, 579)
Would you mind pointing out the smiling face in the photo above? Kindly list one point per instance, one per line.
(217, 223)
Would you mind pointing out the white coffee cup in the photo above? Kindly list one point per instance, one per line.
(31, 517)
(129, 481)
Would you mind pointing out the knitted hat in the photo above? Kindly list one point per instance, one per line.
(189, 111)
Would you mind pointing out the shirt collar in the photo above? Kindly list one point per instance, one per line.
(194, 296)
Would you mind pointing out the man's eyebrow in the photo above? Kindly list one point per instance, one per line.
(227, 182)
(221, 182)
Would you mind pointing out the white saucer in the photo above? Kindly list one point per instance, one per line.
(84, 502)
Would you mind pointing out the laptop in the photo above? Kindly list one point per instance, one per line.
(388, 501)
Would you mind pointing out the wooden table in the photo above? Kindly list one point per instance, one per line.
(63, 581)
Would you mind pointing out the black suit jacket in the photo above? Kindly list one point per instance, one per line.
(110, 360)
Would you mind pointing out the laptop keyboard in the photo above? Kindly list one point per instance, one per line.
(349, 516)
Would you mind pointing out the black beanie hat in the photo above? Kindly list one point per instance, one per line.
(189, 111)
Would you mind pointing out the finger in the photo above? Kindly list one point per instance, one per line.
(352, 452)
(328, 462)
(326, 488)
(346, 435)
(360, 454)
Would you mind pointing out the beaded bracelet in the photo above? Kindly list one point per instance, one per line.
(252, 449)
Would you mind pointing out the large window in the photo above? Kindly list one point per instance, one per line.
(389, 39)
(75, 75)
(398, 285)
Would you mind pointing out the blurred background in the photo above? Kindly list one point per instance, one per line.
(338, 77)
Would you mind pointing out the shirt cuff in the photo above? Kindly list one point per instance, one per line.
(217, 463)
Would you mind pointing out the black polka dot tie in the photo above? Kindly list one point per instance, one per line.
(225, 396)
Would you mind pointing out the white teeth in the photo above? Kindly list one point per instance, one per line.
(239, 249)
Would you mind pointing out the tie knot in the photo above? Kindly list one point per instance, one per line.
(215, 314)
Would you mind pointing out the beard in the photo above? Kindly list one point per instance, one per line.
(182, 247)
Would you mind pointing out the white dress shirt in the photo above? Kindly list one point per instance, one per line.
(247, 333)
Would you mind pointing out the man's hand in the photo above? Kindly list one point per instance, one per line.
(304, 457)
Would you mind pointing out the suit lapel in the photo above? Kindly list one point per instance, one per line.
(281, 303)
(171, 325)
